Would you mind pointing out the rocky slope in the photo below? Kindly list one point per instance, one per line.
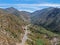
(10, 29)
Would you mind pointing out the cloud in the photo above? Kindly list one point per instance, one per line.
(29, 7)
(38, 5)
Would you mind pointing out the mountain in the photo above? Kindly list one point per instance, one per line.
(10, 28)
(48, 18)
(15, 30)
(23, 14)
(12, 10)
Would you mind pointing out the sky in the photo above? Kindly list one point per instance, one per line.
(29, 5)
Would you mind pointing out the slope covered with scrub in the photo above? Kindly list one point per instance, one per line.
(10, 28)
(41, 36)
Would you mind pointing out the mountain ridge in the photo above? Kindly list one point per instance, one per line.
(48, 16)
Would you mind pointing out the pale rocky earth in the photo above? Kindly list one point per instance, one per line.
(25, 37)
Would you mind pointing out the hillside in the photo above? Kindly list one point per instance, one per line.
(41, 36)
(21, 14)
(10, 29)
(48, 18)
